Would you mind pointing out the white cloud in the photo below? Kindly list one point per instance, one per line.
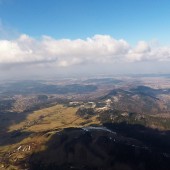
(66, 52)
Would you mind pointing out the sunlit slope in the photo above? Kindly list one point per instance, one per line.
(29, 133)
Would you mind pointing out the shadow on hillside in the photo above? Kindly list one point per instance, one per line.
(13, 137)
(154, 138)
(7, 120)
(132, 147)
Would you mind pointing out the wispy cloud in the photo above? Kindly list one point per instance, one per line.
(3, 1)
(7, 32)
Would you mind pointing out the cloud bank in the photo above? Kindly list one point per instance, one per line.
(98, 49)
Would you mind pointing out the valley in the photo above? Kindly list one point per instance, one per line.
(97, 117)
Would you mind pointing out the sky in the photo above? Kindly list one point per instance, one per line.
(68, 37)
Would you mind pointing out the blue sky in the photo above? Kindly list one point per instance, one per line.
(132, 20)
(83, 36)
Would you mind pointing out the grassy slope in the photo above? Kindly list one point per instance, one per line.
(41, 125)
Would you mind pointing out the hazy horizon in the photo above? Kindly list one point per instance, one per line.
(66, 38)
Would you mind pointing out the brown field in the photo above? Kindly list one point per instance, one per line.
(40, 125)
